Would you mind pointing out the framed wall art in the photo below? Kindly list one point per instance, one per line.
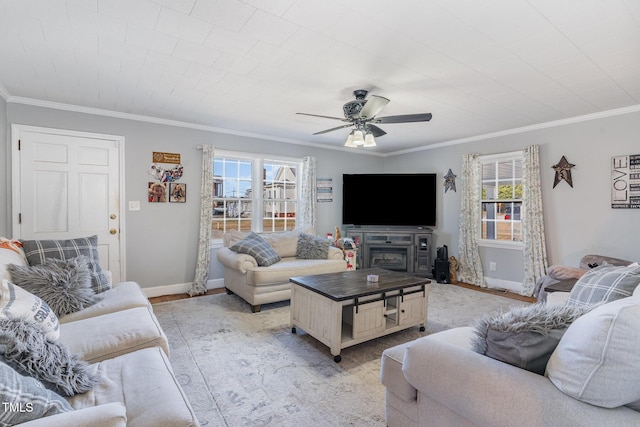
(625, 182)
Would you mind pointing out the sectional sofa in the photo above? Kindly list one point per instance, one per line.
(116, 341)
(589, 375)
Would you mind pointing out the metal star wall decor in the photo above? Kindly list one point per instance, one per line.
(563, 172)
(449, 181)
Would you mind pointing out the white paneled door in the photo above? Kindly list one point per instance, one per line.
(66, 185)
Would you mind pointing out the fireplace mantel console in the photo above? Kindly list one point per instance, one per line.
(405, 249)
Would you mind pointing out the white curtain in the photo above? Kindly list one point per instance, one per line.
(533, 238)
(470, 211)
(198, 287)
(307, 214)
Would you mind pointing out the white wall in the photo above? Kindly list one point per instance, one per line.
(578, 220)
(161, 239)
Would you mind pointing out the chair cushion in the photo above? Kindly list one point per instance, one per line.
(603, 284)
(258, 248)
(37, 251)
(598, 359)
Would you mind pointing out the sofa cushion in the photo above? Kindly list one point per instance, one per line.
(312, 247)
(65, 285)
(25, 398)
(16, 302)
(145, 383)
(598, 359)
(27, 349)
(113, 334)
(286, 242)
(121, 296)
(37, 251)
(291, 267)
(524, 336)
(258, 248)
(603, 284)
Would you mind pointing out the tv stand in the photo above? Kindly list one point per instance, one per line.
(396, 248)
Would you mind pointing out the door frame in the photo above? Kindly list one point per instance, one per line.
(17, 129)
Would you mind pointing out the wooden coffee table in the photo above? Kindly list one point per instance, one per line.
(344, 309)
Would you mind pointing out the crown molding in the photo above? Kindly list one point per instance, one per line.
(177, 123)
(539, 126)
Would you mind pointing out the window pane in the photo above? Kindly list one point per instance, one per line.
(232, 191)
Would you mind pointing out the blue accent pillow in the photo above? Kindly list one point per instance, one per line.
(258, 248)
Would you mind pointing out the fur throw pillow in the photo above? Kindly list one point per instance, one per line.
(65, 285)
(312, 247)
(524, 336)
(24, 346)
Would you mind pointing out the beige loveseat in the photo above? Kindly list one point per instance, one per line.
(590, 378)
(121, 339)
(262, 285)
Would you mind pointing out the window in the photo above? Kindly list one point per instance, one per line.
(249, 188)
(502, 197)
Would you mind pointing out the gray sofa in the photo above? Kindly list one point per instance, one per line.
(262, 285)
(121, 339)
(438, 380)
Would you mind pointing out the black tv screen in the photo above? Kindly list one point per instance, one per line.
(389, 199)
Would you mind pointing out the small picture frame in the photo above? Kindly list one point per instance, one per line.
(177, 192)
(157, 192)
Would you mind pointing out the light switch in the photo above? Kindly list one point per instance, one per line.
(134, 205)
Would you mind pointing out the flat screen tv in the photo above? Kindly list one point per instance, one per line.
(407, 199)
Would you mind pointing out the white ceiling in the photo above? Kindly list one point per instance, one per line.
(247, 66)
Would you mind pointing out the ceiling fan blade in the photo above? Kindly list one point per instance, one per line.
(405, 118)
(375, 130)
(318, 115)
(373, 106)
(332, 129)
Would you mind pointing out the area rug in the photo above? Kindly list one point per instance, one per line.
(247, 369)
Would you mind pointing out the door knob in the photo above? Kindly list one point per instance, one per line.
(113, 216)
(113, 231)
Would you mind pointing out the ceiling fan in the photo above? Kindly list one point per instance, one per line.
(361, 114)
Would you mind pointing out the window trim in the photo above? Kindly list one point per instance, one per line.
(257, 161)
(493, 243)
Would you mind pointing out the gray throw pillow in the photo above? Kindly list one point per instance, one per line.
(38, 251)
(258, 248)
(524, 336)
(65, 285)
(312, 247)
(27, 350)
(25, 399)
(603, 284)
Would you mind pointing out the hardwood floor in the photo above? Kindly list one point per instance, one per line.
(501, 292)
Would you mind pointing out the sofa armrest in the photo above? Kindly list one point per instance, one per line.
(108, 415)
(335, 253)
(236, 261)
(490, 392)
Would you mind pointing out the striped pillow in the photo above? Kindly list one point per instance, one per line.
(603, 284)
(258, 248)
(38, 251)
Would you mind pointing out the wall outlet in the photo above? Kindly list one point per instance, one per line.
(134, 205)
(492, 266)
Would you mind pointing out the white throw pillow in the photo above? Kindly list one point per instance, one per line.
(10, 253)
(598, 359)
(16, 302)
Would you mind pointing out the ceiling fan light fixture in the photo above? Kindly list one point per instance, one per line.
(349, 143)
(369, 141)
(358, 137)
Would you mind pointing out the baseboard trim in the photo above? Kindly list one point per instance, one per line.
(501, 284)
(179, 288)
